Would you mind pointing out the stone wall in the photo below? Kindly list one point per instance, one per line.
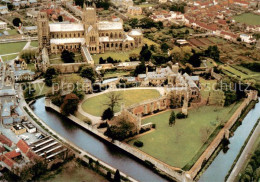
(150, 106)
(252, 95)
(175, 173)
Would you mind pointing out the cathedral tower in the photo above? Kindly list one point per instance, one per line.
(89, 21)
(43, 31)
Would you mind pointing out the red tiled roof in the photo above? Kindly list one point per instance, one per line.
(8, 162)
(31, 155)
(23, 146)
(5, 140)
(12, 154)
(2, 149)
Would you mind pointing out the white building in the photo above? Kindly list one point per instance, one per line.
(247, 38)
(3, 9)
(3, 25)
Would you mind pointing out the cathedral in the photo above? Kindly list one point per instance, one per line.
(96, 36)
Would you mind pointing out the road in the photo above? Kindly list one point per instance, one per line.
(245, 154)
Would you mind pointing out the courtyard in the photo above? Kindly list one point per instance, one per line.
(96, 105)
(8, 48)
(183, 143)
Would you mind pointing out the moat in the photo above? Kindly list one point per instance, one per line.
(100, 149)
(127, 164)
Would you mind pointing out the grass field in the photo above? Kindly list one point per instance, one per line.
(8, 48)
(9, 57)
(34, 43)
(117, 55)
(72, 171)
(248, 18)
(56, 58)
(117, 73)
(177, 145)
(41, 89)
(95, 105)
(11, 32)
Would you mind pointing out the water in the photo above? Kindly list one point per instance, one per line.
(219, 168)
(98, 148)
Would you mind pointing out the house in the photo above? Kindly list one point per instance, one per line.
(247, 38)
(3, 10)
(18, 129)
(134, 10)
(3, 25)
(30, 128)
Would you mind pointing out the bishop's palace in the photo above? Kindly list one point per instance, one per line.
(95, 36)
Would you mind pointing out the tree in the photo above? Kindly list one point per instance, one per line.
(107, 114)
(70, 104)
(17, 22)
(133, 22)
(49, 75)
(213, 52)
(60, 18)
(145, 53)
(117, 177)
(113, 100)
(67, 57)
(140, 69)
(172, 119)
(102, 61)
(10, 6)
(164, 47)
(88, 72)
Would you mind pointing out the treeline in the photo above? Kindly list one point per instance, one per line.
(252, 170)
(252, 66)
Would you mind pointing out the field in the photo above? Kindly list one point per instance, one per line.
(116, 55)
(117, 73)
(248, 18)
(8, 48)
(34, 43)
(95, 105)
(184, 142)
(9, 57)
(72, 171)
(10, 32)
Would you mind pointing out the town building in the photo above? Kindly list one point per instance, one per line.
(3, 25)
(134, 10)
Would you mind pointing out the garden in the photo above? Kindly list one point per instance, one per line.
(181, 145)
(96, 105)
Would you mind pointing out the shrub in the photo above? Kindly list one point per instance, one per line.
(138, 143)
(154, 126)
(181, 115)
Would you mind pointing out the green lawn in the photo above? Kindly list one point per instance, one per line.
(31, 67)
(95, 105)
(248, 18)
(41, 89)
(146, 5)
(8, 48)
(117, 55)
(34, 43)
(56, 58)
(11, 32)
(180, 144)
(118, 73)
(72, 171)
(9, 57)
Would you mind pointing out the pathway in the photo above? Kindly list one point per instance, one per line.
(245, 154)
